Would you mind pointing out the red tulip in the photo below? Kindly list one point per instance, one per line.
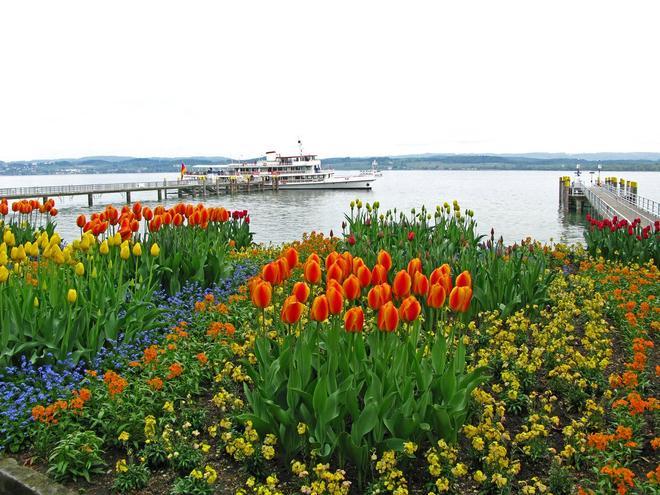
(464, 280)
(291, 310)
(388, 318)
(354, 319)
(81, 221)
(420, 284)
(378, 275)
(401, 285)
(409, 309)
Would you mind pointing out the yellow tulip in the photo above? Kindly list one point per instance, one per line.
(155, 249)
(4, 274)
(72, 296)
(94, 272)
(104, 249)
(80, 269)
(8, 238)
(36, 302)
(125, 253)
(137, 250)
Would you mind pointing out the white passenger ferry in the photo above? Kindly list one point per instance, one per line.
(292, 172)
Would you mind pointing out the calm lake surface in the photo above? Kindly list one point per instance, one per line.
(517, 204)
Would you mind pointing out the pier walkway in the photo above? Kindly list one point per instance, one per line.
(180, 188)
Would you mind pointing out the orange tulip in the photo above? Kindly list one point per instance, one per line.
(331, 259)
(388, 318)
(420, 284)
(291, 256)
(271, 273)
(314, 257)
(436, 274)
(410, 309)
(354, 319)
(364, 276)
(378, 275)
(385, 260)
(291, 310)
(335, 300)
(312, 272)
(459, 299)
(335, 272)
(348, 262)
(351, 288)
(80, 221)
(374, 298)
(357, 263)
(386, 292)
(401, 285)
(437, 296)
(262, 294)
(320, 309)
(464, 280)
(333, 283)
(301, 291)
(414, 266)
(285, 269)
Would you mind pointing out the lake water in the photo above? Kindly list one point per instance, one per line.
(516, 204)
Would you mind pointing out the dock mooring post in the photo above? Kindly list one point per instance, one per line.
(90, 200)
(128, 197)
(160, 195)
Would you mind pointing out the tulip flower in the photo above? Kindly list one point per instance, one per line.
(291, 256)
(314, 257)
(271, 273)
(291, 310)
(357, 263)
(388, 318)
(4, 274)
(440, 272)
(335, 272)
(320, 309)
(410, 309)
(385, 260)
(262, 294)
(103, 248)
(464, 280)
(354, 320)
(374, 297)
(459, 299)
(414, 266)
(125, 252)
(312, 272)
(331, 259)
(437, 296)
(351, 288)
(81, 221)
(364, 276)
(421, 285)
(137, 250)
(284, 269)
(301, 291)
(155, 250)
(335, 300)
(402, 284)
(80, 269)
(72, 296)
(378, 275)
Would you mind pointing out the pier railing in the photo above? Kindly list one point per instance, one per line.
(78, 189)
(646, 204)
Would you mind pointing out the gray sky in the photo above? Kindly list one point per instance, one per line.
(237, 78)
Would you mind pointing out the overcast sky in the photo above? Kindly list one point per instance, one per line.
(237, 78)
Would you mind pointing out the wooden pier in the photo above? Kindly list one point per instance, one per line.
(609, 198)
(197, 187)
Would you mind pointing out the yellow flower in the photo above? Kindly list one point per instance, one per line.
(150, 427)
(124, 436)
(479, 477)
(80, 269)
(155, 249)
(4, 274)
(459, 470)
(168, 407)
(125, 253)
(205, 448)
(121, 466)
(104, 249)
(409, 448)
(36, 302)
(137, 250)
(197, 474)
(72, 296)
(210, 474)
(302, 428)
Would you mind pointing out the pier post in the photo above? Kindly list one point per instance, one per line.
(160, 195)
(44, 199)
(128, 197)
(90, 200)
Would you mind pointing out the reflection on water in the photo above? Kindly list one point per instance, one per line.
(517, 204)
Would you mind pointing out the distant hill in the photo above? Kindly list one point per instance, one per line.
(427, 161)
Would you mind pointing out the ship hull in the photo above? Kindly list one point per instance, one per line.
(334, 183)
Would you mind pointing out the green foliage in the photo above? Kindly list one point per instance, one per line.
(191, 486)
(134, 478)
(185, 457)
(77, 455)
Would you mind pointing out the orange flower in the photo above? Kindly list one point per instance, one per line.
(301, 291)
(420, 286)
(630, 379)
(401, 285)
(409, 309)
(378, 275)
(335, 272)
(291, 256)
(291, 310)
(175, 370)
(388, 317)
(262, 294)
(351, 288)
(385, 260)
(320, 309)
(354, 319)
(459, 299)
(201, 357)
(364, 276)
(312, 272)
(335, 285)
(314, 257)
(464, 280)
(331, 259)
(284, 270)
(437, 296)
(155, 383)
(374, 297)
(357, 263)
(414, 266)
(623, 433)
(599, 441)
(438, 273)
(335, 300)
(271, 273)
